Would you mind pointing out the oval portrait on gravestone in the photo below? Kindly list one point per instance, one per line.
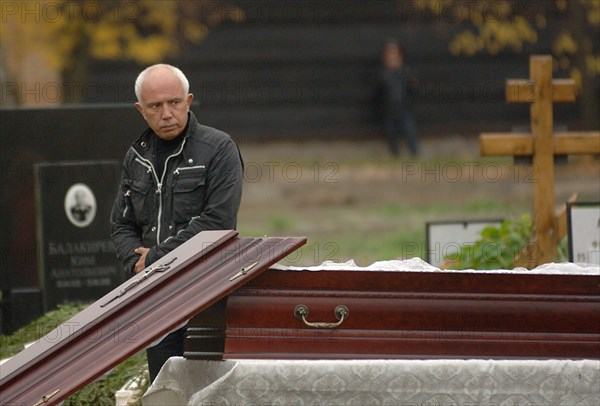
(80, 205)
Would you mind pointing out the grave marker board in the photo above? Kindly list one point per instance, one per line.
(583, 222)
(76, 258)
(448, 237)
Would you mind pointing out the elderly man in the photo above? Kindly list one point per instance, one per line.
(179, 178)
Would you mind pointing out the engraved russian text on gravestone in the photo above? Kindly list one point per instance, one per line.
(76, 256)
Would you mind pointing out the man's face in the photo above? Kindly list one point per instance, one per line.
(392, 58)
(164, 104)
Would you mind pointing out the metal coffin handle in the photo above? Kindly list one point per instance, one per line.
(341, 313)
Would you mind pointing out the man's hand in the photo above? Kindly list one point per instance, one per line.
(140, 265)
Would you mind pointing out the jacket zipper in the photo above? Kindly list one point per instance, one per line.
(126, 194)
(145, 162)
(159, 183)
(187, 168)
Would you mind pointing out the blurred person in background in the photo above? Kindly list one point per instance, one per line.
(397, 90)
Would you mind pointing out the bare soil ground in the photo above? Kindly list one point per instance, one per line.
(314, 173)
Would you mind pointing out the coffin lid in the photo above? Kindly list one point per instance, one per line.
(165, 295)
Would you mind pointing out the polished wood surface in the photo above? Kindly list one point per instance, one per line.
(413, 315)
(202, 271)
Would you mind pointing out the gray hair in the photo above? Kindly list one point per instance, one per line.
(176, 71)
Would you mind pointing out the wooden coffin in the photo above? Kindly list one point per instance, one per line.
(126, 320)
(382, 314)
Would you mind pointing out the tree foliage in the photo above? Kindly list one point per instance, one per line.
(62, 36)
(507, 25)
(494, 26)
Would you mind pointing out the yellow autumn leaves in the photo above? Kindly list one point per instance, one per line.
(145, 31)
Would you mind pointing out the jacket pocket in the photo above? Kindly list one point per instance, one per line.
(189, 191)
(141, 199)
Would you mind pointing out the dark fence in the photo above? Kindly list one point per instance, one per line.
(308, 68)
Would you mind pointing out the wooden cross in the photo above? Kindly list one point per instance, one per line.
(541, 91)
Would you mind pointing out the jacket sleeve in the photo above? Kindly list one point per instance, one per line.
(223, 198)
(126, 234)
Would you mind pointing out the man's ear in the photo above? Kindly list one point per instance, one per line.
(189, 99)
(139, 107)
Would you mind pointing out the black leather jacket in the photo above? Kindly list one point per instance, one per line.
(200, 189)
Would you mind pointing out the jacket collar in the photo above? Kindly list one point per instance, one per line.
(144, 145)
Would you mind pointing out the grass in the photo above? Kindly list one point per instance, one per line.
(378, 232)
(352, 201)
(10, 345)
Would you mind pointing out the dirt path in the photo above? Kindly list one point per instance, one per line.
(314, 173)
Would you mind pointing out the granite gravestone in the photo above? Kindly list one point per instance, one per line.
(76, 258)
